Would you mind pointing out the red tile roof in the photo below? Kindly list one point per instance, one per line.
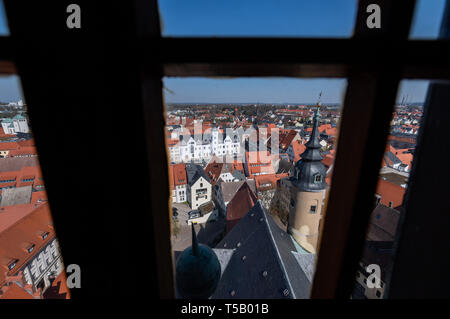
(390, 192)
(259, 163)
(266, 182)
(177, 175)
(26, 172)
(298, 149)
(242, 202)
(287, 137)
(15, 240)
(8, 146)
(38, 197)
(405, 156)
(328, 160)
(172, 142)
(29, 142)
(14, 291)
(23, 151)
(213, 170)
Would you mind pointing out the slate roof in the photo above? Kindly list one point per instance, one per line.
(310, 166)
(383, 224)
(395, 178)
(266, 262)
(194, 172)
(229, 189)
(238, 175)
(392, 158)
(284, 166)
(380, 253)
(206, 208)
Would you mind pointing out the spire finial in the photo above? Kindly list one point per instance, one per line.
(319, 103)
(198, 271)
(194, 242)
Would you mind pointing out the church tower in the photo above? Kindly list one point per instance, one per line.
(308, 192)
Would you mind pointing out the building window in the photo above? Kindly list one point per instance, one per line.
(313, 209)
(44, 235)
(390, 204)
(378, 293)
(318, 179)
(31, 248)
(12, 264)
(377, 199)
(292, 203)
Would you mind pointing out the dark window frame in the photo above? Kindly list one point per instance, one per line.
(372, 60)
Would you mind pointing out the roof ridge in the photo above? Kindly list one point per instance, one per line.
(280, 260)
(249, 190)
(28, 216)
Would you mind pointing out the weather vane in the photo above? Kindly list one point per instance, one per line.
(319, 103)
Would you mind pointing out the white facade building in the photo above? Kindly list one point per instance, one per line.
(200, 148)
(15, 125)
(199, 186)
(44, 263)
(199, 193)
(179, 194)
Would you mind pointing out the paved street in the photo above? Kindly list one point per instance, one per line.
(206, 233)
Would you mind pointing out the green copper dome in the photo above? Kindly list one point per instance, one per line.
(197, 271)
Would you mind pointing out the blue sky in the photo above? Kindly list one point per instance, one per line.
(258, 17)
(291, 18)
(301, 18)
(318, 18)
(3, 24)
(271, 90)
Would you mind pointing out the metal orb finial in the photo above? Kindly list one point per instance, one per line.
(197, 271)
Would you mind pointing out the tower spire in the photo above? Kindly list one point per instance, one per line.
(313, 146)
(194, 242)
(310, 163)
(308, 190)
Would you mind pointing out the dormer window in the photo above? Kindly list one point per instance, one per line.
(377, 199)
(31, 248)
(318, 178)
(12, 264)
(44, 235)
